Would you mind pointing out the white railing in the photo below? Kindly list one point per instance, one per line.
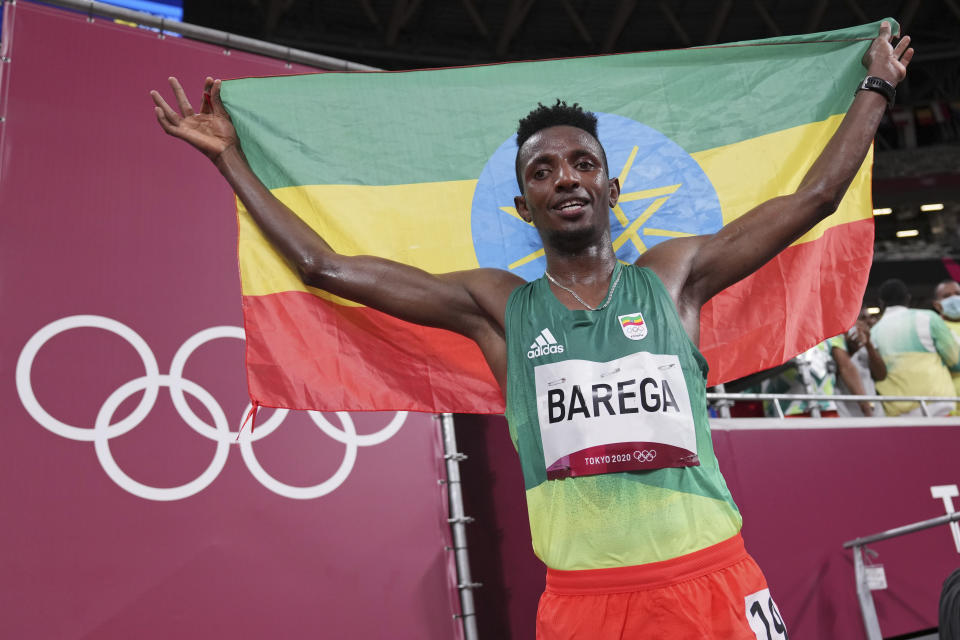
(722, 400)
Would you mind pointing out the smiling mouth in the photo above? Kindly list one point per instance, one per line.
(571, 207)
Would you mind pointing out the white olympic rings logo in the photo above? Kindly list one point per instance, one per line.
(645, 455)
(103, 430)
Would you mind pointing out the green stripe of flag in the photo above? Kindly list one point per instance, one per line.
(439, 125)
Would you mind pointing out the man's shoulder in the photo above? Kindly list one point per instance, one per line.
(894, 316)
(489, 288)
(839, 341)
(671, 261)
(932, 318)
(488, 280)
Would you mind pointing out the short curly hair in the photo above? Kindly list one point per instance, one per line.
(559, 114)
(894, 292)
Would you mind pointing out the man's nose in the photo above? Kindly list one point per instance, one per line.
(567, 178)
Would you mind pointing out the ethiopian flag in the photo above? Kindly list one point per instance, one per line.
(418, 167)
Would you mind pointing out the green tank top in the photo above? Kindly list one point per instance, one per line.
(599, 373)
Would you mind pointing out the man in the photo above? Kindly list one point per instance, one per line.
(859, 366)
(919, 352)
(634, 521)
(812, 373)
(946, 300)
(826, 369)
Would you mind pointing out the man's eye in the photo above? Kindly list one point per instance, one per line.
(585, 165)
(540, 174)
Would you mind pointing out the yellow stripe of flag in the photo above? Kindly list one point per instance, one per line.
(427, 225)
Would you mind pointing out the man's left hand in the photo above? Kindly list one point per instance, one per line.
(886, 61)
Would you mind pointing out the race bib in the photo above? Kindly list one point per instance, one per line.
(764, 617)
(629, 414)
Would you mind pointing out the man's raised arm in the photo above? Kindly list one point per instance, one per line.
(468, 302)
(696, 269)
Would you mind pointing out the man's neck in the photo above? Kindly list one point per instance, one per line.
(582, 279)
(590, 266)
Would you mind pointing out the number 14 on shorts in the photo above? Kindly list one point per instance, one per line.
(764, 617)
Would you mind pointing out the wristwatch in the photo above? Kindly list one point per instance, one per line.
(881, 86)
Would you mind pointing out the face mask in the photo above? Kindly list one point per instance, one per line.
(951, 307)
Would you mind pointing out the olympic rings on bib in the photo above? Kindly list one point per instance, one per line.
(102, 431)
(645, 455)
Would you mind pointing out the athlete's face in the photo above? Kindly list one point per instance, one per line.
(567, 194)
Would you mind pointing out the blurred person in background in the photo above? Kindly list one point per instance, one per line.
(918, 350)
(946, 300)
(858, 365)
(814, 372)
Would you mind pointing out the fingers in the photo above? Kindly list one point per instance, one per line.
(901, 47)
(885, 53)
(205, 105)
(164, 122)
(884, 31)
(181, 97)
(165, 110)
(218, 107)
(907, 57)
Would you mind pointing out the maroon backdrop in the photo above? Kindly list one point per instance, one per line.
(802, 493)
(106, 216)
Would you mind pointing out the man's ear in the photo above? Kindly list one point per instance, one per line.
(614, 192)
(938, 306)
(521, 204)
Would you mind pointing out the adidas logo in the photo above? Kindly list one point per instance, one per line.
(544, 344)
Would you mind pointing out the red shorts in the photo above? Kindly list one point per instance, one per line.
(717, 592)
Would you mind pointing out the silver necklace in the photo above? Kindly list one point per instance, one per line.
(604, 304)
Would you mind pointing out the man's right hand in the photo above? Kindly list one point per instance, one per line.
(472, 303)
(210, 131)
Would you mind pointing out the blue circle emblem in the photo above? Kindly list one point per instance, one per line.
(663, 194)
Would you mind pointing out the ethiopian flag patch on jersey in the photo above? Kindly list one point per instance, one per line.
(633, 326)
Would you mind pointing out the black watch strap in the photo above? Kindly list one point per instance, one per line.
(881, 86)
